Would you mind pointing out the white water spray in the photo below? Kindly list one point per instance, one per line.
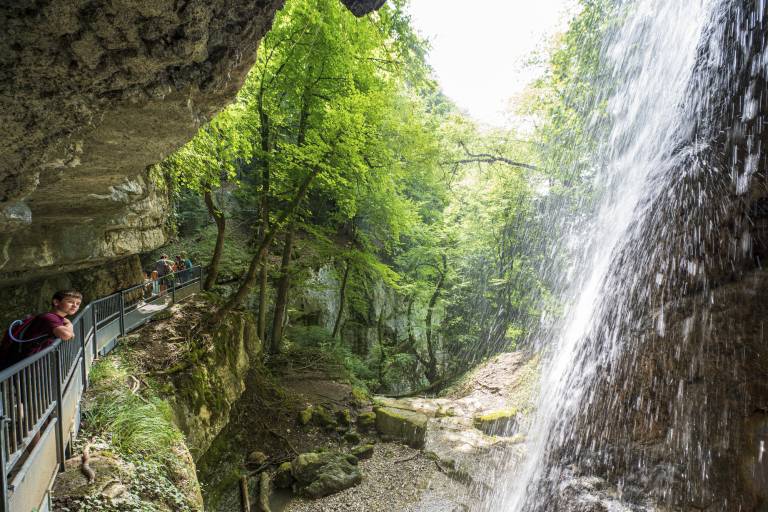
(652, 56)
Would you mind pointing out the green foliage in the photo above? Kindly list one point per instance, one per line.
(407, 192)
(314, 347)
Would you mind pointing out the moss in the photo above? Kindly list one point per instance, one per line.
(366, 420)
(305, 416)
(400, 425)
(496, 415)
(322, 417)
(360, 395)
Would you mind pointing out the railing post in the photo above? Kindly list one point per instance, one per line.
(95, 331)
(83, 356)
(59, 410)
(173, 287)
(3, 475)
(122, 314)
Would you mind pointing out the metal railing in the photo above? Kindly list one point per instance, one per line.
(40, 395)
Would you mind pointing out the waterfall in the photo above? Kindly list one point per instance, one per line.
(663, 186)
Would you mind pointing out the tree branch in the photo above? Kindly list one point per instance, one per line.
(488, 158)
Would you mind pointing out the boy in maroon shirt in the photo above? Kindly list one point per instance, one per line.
(47, 326)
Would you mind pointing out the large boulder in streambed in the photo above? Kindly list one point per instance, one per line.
(320, 474)
(401, 425)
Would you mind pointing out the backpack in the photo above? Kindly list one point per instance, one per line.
(14, 336)
(163, 268)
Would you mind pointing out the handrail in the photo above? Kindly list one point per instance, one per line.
(42, 391)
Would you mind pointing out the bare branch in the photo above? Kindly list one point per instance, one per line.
(488, 158)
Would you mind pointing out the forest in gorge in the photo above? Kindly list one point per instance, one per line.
(342, 157)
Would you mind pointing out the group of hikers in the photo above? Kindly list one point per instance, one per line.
(166, 270)
(33, 334)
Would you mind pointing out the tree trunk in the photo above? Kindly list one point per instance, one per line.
(250, 276)
(264, 207)
(281, 301)
(342, 299)
(218, 217)
(431, 371)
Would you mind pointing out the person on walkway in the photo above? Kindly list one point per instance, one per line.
(164, 268)
(187, 262)
(155, 284)
(43, 330)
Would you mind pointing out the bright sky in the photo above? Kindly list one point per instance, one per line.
(480, 48)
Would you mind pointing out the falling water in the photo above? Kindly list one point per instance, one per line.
(664, 180)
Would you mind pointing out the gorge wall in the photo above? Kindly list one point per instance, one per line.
(92, 92)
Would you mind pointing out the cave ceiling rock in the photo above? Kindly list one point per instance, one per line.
(92, 93)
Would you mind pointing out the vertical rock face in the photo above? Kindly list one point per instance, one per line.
(91, 93)
(681, 415)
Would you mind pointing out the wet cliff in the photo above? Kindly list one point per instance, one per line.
(678, 419)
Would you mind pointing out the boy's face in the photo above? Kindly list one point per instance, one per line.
(68, 305)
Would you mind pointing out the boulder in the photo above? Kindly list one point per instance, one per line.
(322, 417)
(502, 422)
(366, 421)
(352, 437)
(401, 425)
(321, 474)
(344, 417)
(257, 458)
(283, 478)
(362, 452)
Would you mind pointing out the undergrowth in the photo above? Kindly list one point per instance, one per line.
(313, 347)
(133, 422)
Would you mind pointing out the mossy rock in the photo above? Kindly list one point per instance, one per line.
(401, 425)
(305, 416)
(72, 484)
(322, 417)
(352, 437)
(502, 422)
(283, 478)
(321, 474)
(257, 458)
(344, 417)
(362, 452)
(366, 421)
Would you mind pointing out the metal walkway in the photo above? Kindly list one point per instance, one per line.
(40, 396)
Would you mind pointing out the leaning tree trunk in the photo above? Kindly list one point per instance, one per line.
(342, 299)
(218, 217)
(250, 276)
(266, 148)
(281, 301)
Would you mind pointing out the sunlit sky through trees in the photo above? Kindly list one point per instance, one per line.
(481, 50)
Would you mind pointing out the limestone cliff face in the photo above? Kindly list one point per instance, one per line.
(92, 92)
(203, 395)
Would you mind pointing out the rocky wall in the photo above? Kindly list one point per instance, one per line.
(92, 92)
